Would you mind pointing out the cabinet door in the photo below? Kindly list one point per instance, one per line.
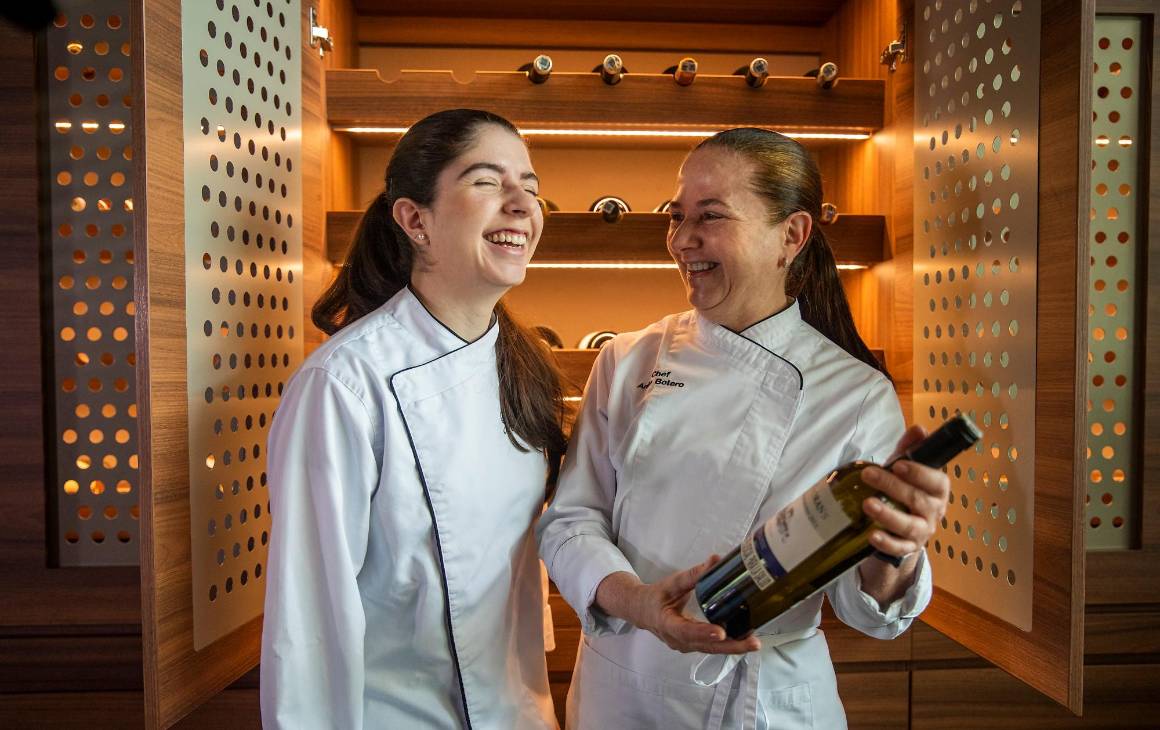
(1001, 200)
(229, 159)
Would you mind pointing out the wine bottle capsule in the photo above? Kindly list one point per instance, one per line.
(612, 69)
(547, 207)
(550, 337)
(663, 207)
(611, 208)
(829, 214)
(539, 69)
(685, 71)
(827, 75)
(756, 73)
(596, 340)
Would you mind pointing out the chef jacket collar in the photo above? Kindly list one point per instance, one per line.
(414, 316)
(754, 344)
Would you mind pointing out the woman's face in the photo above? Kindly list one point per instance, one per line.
(484, 223)
(731, 258)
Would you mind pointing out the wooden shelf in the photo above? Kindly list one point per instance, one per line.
(361, 98)
(639, 238)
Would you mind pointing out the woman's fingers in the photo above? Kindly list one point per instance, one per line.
(686, 635)
(893, 545)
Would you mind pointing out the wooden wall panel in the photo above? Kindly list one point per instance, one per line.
(33, 594)
(550, 35)
(875, 700)
(874, 177)
(1117, 696)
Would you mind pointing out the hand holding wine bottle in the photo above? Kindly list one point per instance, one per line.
(739, 594)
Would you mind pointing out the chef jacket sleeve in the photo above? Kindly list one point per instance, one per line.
(322, 470)
(575, 532)
(879, 427)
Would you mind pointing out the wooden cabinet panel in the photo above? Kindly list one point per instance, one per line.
(1116, 696)
(875, 700)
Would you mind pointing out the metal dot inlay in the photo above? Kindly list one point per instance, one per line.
(89, 93)
(976, 211)
(1115, 226)
(241, 65)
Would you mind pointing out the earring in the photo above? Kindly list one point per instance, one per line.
(421, 236)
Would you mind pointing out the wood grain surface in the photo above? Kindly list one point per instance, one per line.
(584, 101)
(636, 238)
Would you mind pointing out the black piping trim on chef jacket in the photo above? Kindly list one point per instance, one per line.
(434, 521)
(444, 326)
(801, 380)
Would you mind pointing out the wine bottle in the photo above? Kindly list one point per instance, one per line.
(547, 207)
(611, 208)
(826, 75)
(810, 542)
(595, 340)
(550, 337)
(684, 72)
(539, 69)
(756, 73)
(612, 69)
(829, 214)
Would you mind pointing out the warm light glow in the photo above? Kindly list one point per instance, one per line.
(572, 399)
(116, 126)
(90, 126)
(657, 265)
(63, 126)
(602, 266)
(691, 133)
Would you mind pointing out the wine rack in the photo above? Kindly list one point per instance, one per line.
(638, 238)
(359, 98)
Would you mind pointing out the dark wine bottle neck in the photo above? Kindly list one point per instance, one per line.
(953, 437)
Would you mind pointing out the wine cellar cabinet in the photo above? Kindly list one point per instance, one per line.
(897, 146)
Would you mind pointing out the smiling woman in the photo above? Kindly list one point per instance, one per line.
(652, 487)
(430, 424)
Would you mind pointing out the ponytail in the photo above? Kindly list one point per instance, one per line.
(787, 178)
(531, 391)
(377, 266)
(814, 281)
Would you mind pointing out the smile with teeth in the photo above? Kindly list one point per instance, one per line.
(694, 267)
(507, 238)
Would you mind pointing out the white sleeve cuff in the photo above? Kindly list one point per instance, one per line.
(861, 611)
(578, 567)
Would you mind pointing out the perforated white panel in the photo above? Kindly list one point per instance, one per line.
(976, 190)
(89, 95)
(1112, 485)
(242, 86)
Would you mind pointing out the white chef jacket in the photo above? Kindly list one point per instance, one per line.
(690, 436)
(390, 427)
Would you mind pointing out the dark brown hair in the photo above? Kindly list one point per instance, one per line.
(379, 262)
(788, 180)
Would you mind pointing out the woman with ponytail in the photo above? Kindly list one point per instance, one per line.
(410, 455)
(697, 429)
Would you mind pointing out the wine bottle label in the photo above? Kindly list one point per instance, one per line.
(804, 526)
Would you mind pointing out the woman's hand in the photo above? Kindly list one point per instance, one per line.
(657, 608)
(920, 489)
